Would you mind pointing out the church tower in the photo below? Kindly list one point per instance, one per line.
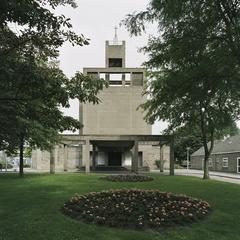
(115, 135)
(117, 112)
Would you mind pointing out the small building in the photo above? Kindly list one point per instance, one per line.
(225, 156)
(115, 134)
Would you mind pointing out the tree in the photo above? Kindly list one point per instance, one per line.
(190, 137)
(193, 65)
(32, 87)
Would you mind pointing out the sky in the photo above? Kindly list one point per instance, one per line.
(96, 20)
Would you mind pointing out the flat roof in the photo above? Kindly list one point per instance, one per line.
(92, 137)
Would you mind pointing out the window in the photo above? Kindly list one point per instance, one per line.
(238, 165)
(225, 162)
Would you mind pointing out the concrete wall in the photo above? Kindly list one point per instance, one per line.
(117, 113)
(115, 51)
(217, 162)
(71, 158)
(152, 153)
(65, 158)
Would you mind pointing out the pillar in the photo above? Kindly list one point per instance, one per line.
(65, 160)
(94, 155)
(161, 158)
(172, 156)
(87, 156)
(52, 160)
(135, 157)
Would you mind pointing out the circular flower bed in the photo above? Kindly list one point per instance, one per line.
(127, 178)
(136, 208)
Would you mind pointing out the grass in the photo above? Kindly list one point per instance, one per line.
(29, 208)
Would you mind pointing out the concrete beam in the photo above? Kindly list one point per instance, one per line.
(81, 139)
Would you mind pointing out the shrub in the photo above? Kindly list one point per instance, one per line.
(157, 162)
(26, 165)
(127, 178)
(9, 165)
(135, 208)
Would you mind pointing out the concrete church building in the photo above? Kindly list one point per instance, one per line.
(114, 136)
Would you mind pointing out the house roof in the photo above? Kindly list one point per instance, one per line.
(230, 144)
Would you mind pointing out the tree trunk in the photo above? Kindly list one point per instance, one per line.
(21, 146)
(207, 155)
(205, 167)
(207, 150)
(205, 145)
(172, 156)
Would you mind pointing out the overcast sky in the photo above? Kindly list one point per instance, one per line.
(96, 19)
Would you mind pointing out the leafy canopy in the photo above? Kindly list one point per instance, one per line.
(193, 64)
(32, 87)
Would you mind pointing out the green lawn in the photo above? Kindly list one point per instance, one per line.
(29, 208)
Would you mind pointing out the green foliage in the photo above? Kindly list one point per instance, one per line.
(27, 152)
(26, 165)
(3, 165)
(32, 87)
(193, 65)
(158, 163)
(191, 137)
(135, 208)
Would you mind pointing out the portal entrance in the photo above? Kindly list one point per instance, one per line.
(114, 159)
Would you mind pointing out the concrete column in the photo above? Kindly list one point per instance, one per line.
(87, 156)
(56, 155)
(161, 158)
(94, 154)
(65, 160)
(135, 157)
(52, 160)
(172, 157)
(80, 162)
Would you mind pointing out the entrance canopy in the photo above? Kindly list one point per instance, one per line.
(114, 145)
(120, 143)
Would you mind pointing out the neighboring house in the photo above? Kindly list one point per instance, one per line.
(225, 156)
(115, 135)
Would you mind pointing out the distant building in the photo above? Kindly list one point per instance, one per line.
(225, 156)
(114, 135)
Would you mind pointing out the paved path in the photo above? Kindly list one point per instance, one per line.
(225, 177)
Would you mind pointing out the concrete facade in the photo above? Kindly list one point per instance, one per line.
(114, 132)
(116, 113)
